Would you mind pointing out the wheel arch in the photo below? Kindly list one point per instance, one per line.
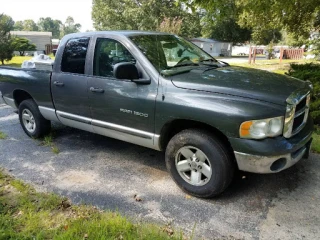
(20, 95)
(173, 127)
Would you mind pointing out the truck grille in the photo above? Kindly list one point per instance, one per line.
(297, 112)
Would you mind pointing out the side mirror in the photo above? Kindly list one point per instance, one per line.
(126, 70)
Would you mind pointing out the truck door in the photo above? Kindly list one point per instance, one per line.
(120, 108)
(69, 85)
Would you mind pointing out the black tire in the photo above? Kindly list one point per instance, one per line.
(42, 125)
(218, 157)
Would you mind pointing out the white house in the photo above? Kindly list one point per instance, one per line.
(42, 40)
(213, 47)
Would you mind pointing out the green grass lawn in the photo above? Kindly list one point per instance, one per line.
(16, 61)
(272, 65)
(27, 214)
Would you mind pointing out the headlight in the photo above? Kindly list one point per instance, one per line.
(259, 129)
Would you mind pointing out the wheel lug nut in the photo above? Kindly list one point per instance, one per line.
(199, 167)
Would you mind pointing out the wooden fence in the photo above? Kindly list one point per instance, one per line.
(48, 49)
(284, 54)
(293, 53)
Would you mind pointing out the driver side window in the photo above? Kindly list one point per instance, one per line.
(109, 52)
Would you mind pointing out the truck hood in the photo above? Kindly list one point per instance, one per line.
(239, 81)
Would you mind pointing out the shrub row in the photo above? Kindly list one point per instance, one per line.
(311, 72)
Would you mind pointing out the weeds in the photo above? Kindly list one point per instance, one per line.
(26, 214)
(3, 135)
(48, 142)
(55, 150)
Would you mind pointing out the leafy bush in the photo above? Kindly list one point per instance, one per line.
(311, 72)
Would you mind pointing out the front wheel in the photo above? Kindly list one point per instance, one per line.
(31, 120)
(199, 163)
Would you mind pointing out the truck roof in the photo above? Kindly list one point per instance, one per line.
(127, 33)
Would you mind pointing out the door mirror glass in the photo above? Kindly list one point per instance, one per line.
(125, 70)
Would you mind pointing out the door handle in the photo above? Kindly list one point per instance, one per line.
(60, 84)
(96, 90)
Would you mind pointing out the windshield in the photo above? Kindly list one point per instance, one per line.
(167, 52)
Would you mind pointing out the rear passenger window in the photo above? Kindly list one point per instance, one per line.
(74, 56)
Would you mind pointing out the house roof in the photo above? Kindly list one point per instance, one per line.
(31, 33)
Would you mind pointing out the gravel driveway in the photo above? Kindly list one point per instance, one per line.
(108, 173)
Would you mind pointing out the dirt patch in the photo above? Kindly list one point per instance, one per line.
(153, 173)
(77, 179)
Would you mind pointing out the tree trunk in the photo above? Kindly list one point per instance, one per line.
(2, 61)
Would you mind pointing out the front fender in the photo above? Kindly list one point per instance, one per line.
(221, 111)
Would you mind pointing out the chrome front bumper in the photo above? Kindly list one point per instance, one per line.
(270, 164)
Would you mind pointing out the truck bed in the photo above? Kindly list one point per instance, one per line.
(26, 81)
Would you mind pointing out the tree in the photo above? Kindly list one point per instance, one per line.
(30, 25)
(170, 25)
(297, 17)
(116, 15)
(26, 25)
(70, 27)
(6, 25)
(220, 20)
(265, 37)
(143, 15)
(18, 26)
(22, 45)
(226, 30)
(50, 25)
(191, 24)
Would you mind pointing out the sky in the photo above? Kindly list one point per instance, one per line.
(19, 10)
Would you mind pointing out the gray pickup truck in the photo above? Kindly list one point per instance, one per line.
(162, 92)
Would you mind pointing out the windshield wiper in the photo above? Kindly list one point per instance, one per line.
(183, 65)
(214, 62)
(209, 60)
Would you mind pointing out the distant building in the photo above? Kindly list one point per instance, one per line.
(55, 43)
(241, 50)
(42, 40)
(213, 47)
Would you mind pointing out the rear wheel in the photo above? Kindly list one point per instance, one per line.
(199, 163)
(31, 120)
